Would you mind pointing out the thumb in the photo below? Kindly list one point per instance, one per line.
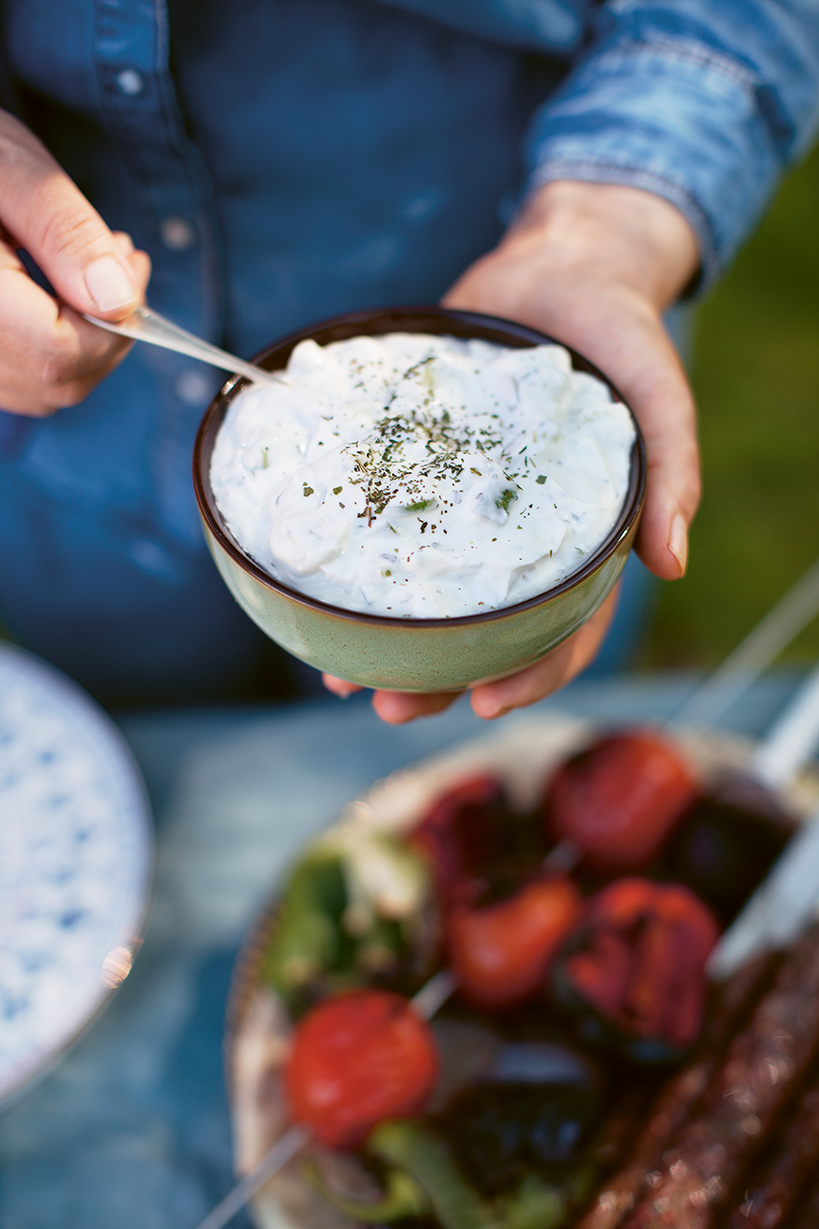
(43, 211)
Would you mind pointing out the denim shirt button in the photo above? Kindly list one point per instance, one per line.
(194, 387)
(130, 82)
(177, 234)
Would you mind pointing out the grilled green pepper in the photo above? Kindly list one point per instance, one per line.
(308, 939)
(406, 1144)
(403, 1197)
(534, 1205)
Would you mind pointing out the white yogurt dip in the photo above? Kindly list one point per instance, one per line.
(418, 476)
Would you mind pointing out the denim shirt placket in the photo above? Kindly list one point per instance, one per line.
(174, 201)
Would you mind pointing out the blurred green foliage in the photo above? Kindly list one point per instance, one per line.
(756, 378)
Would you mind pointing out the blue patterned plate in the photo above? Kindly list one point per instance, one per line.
(76, 859)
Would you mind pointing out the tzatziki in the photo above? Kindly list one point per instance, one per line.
(417, 476)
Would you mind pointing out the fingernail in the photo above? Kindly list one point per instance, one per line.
(109, 285)
(678, 541)
(344, 690)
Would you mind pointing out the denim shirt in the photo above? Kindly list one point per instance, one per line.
(283, 160)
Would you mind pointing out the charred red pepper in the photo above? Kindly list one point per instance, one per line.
(501, 953)
(460, 835)
(356, 1059)
(618, 800)
(635, 967)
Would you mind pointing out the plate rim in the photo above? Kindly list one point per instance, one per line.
(122, 765)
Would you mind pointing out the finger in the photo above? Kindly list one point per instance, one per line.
(139, 261)
(48, 216)
(49, 356)
(640, 359)
(492, 700)
(37, 327)
(399, 707)
(665, 410)
(628, 342)
(595, 265)
(26, 397)
(624, 336)
(340, 687)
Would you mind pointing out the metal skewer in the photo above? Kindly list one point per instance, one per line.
(429, 1000)
(789, 897)
(792, 739)
(285, 1148)
(760, 648)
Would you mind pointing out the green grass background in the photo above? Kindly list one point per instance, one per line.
(756, 378)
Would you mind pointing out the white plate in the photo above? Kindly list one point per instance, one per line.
(76, 862)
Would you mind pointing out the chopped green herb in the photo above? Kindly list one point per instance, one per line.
(337, 490)
(308, 490)
(504, 499)
(541, 478)
(421, 506)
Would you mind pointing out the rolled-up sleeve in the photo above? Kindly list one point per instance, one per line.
(704, 102)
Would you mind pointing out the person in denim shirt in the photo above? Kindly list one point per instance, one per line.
(283, 160)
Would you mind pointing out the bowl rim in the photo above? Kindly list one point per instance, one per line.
(423, 318)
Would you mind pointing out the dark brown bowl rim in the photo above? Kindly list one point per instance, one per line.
(421, 319)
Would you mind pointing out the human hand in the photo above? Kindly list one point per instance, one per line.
(49, 356)
(595, 266)
(491, 700)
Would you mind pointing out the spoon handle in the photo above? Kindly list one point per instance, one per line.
(144, 324)
(273, 1162)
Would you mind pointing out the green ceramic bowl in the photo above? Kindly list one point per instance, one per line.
(411, 654)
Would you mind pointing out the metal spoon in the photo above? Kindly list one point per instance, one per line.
(144, 324)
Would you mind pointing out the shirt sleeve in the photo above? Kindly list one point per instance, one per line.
(704, 102)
